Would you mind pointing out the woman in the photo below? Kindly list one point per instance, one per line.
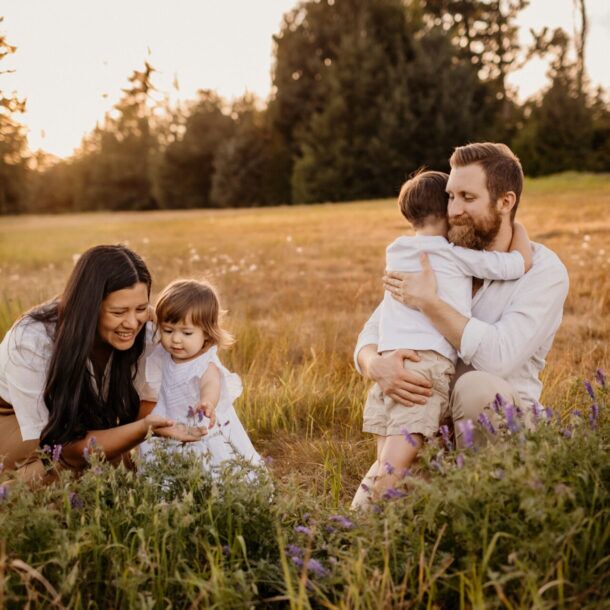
(71, 370)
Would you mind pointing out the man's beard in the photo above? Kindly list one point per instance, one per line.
(463, 232)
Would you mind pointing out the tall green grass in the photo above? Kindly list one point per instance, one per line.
(524, 523)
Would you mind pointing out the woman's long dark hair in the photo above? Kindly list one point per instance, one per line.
(74, 405)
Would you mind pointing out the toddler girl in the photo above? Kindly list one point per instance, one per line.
(195, 387)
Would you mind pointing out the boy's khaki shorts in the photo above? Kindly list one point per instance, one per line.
(385, 417)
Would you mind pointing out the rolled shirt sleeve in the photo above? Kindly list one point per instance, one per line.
(369, 335)
(25, 354)
(528, 321)
(147, 381)
(489, 265)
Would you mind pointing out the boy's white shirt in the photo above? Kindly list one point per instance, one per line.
(401, 326)
(513, 324)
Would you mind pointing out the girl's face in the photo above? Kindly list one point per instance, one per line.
(122, 315)
(183, 340)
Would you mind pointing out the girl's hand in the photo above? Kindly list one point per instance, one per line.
(209, 410)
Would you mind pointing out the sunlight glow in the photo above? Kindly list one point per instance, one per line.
(74, 57)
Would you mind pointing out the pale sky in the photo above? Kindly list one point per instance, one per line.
(74, 56)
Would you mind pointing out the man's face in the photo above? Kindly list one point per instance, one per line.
(474, 220)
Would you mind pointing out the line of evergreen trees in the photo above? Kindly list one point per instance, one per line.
(363, 93)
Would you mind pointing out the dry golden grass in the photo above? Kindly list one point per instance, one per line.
(298, 283)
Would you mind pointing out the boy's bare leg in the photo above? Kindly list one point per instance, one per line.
(396, 456)
(362, 497)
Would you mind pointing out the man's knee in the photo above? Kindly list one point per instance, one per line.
(474, 391)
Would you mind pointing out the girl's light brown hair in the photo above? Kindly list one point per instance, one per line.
(199, 299)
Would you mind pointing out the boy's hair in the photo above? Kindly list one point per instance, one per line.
(501, 166)
(424, 195)
(182, 297)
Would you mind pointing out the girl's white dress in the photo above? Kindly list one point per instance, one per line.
(179, 390)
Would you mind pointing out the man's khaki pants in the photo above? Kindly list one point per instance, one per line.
(472, 392)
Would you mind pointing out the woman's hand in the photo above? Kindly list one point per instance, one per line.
(402, 385)
(416, 290)
(167, 428)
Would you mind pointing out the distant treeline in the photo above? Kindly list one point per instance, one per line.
(363, 94)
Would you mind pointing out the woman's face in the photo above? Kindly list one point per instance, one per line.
(122, 315)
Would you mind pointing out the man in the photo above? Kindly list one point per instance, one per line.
(503, 345)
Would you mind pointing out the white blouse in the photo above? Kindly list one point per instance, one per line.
(25, 354)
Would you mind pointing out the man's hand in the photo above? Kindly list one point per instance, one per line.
(417, 290)
(402, 385)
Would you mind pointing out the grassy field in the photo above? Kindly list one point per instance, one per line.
(298, 283)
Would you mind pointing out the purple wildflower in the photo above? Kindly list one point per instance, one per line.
(294, 550)
(342, 521)
(330, 529)
(498, 404)
(567, 432)
(306, 516)
(190, 412)
(434, 463)
(484, 420)
(548, 413)
(226, 550)
(389, 468)
(316, 568)
(536, 411)
(298, 562)
(86, 454)
(76, 502)
(589, 389)
(466, 428)
(594, 415)
(511, 422)
(459, 460)
(600, 377)
(3, 493)
(391, 493)
(56, 453)
(408, 437)
(577, 412)
(406, 473)
(595, 411)
(200, 415)
(302, 529)
(444, 430)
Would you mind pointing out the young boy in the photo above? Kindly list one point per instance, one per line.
(401, 430)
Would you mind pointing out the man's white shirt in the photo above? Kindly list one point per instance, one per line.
(512, 327)
(404, 327)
